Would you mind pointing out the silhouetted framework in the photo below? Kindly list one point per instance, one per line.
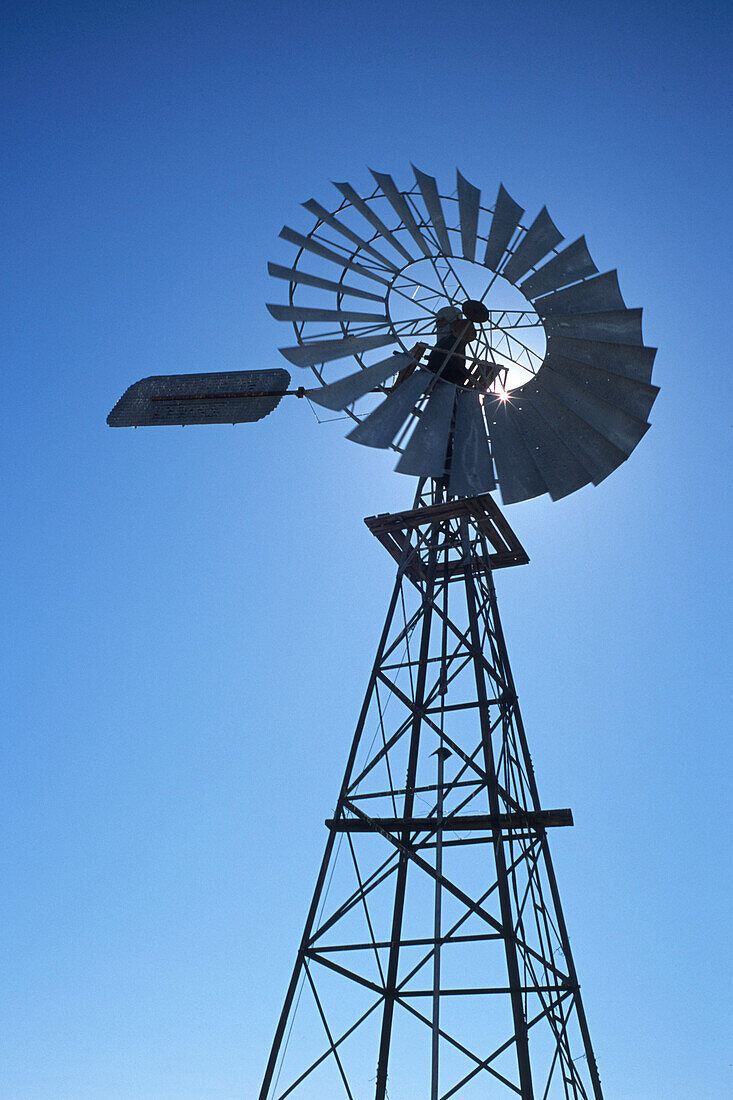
(435, 961)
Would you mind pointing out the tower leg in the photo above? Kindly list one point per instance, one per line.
(521, 1037)
(265, 1091)
(409, 801)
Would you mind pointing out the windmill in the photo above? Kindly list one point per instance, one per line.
(435, 959)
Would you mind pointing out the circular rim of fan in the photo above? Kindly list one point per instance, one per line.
(574, 420)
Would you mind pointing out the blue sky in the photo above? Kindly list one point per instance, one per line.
(189, 616)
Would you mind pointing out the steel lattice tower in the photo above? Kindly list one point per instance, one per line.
(435, 961)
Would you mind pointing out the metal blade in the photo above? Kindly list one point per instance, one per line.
(596, 295)
(374, 220)
(381, 426)
(429, 191)
(401, 207)
(293, 275)
(469, 198)
(622, 430)
(630, 360)
(561, 471)
(307, 313)
(339, 394)
(321, 212)
(540, 238)
(516, 469)
(592, 449)
(620, 326)
(220, 398)
(324, 351)
(426, 452)
(573, 263)
(318, 249)
(505, 220)
(471, 470)
(635, 398)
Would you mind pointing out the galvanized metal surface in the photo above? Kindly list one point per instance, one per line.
(469, 199)
(320, 212)
(401, 207)
(218, 398)
(516, 469)
(585, 404)
(381, 426)
(374, 220)
(309, 313)
(561, 471)
(635, 398)
(318, 249)
(338, 395)
(426, 452)
(620, 326)
(295, 275)
(504, 222)
(542, 236)
(573, 263)
(622, 430)
(325, 351)
(471, 470)
(596, 453)
(630, 360)
(600, 293)
(429, 191)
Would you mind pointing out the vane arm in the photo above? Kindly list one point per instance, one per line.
(300, 392)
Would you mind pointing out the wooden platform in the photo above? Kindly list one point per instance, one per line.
(483, 512)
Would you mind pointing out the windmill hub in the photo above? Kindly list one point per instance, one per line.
(508, 329)
(475, 311)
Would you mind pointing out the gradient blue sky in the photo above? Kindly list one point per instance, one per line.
(189, 616)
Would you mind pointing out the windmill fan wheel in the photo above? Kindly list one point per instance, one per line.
(543, 395)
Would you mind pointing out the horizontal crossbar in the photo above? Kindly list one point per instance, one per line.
(540, 819)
